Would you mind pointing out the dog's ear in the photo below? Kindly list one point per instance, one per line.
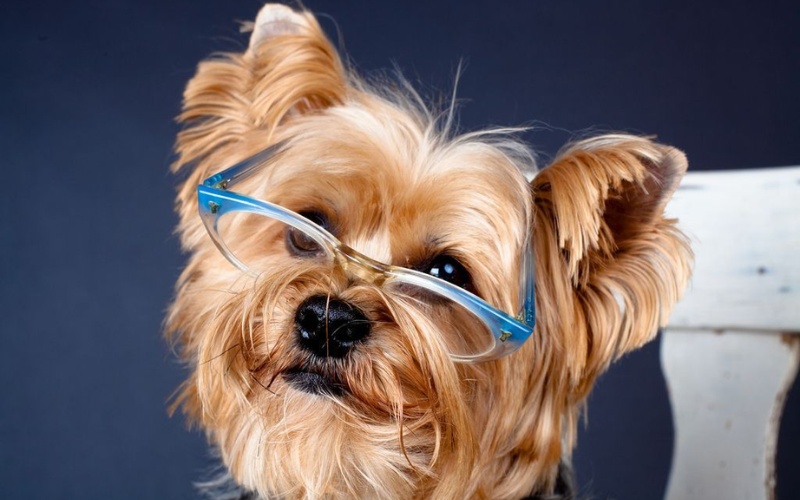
(295, 67)
(234, 104)
(611, 265)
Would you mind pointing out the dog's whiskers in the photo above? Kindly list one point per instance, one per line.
(229, 349)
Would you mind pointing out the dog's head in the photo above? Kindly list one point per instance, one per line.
(314, 373)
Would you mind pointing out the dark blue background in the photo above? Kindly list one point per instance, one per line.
(87, 99)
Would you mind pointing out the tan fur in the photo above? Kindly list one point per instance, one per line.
(414, 425)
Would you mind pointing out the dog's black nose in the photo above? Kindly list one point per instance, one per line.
(329, 327)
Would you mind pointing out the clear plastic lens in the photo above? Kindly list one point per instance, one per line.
(258, 241)
(461, 332)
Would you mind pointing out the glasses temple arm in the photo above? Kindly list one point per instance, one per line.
(244, 169)
(527, 312)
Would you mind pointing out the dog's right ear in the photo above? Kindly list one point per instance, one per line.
(235, 102)
(610, 264)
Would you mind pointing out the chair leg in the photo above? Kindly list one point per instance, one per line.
(727, 390)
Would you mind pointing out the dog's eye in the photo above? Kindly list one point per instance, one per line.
(300, 244)
(449, 269)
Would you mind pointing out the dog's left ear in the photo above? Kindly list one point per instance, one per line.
(609, 264)
(237, 102)
(289, 68)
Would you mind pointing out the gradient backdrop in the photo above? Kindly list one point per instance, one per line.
(87, 99)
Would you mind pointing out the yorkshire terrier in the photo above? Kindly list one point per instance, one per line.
(359, 302)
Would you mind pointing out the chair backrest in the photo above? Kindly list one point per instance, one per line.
(731, 351)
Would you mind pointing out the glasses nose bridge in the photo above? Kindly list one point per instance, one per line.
(356, 264)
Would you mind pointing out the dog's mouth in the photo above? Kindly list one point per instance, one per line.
(313, 382)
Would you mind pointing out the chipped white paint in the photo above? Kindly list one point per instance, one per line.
(745, 231)
(732, 348)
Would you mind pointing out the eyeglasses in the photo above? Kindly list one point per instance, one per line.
(472, 330)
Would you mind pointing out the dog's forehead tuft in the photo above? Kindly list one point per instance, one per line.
(401, 147)
(390, 163)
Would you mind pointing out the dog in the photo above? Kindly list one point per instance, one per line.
(358, 308)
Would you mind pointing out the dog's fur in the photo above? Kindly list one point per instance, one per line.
(402, 187)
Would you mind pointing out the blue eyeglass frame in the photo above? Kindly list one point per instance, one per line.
(215, 200)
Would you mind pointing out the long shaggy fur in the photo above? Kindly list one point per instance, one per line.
(412, 424)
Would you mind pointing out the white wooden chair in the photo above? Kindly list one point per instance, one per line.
(732, 348)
